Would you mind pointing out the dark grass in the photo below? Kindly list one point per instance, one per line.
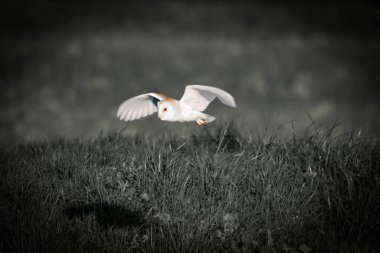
(214, 191)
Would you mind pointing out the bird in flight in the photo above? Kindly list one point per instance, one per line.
(189, 108)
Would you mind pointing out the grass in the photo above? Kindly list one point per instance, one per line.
(214, 191)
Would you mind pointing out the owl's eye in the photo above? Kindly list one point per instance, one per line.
(165, 109)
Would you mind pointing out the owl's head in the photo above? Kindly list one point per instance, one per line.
(165, 110)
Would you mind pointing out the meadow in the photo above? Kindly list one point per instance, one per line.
(216, 190)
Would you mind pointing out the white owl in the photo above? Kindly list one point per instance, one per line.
(189, 108)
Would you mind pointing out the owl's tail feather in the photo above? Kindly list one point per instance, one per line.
(209, 118)
(205, 119)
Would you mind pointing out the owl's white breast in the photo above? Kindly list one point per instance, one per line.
(188, 113)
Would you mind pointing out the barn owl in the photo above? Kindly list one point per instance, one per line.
(189, 108)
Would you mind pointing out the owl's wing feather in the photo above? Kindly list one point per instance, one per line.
(198, 97)
(139, 106)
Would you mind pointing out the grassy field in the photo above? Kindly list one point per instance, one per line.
(214, 191)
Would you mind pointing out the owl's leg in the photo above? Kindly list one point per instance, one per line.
(202, 122)
(205, 119)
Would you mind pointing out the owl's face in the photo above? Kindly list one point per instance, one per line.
(165, 110)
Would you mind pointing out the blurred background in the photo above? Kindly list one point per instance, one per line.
(65, 67)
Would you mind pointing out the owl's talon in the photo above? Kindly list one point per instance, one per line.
(202, 122)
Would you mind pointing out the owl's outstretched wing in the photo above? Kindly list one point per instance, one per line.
(199, 97)
(139, 106)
